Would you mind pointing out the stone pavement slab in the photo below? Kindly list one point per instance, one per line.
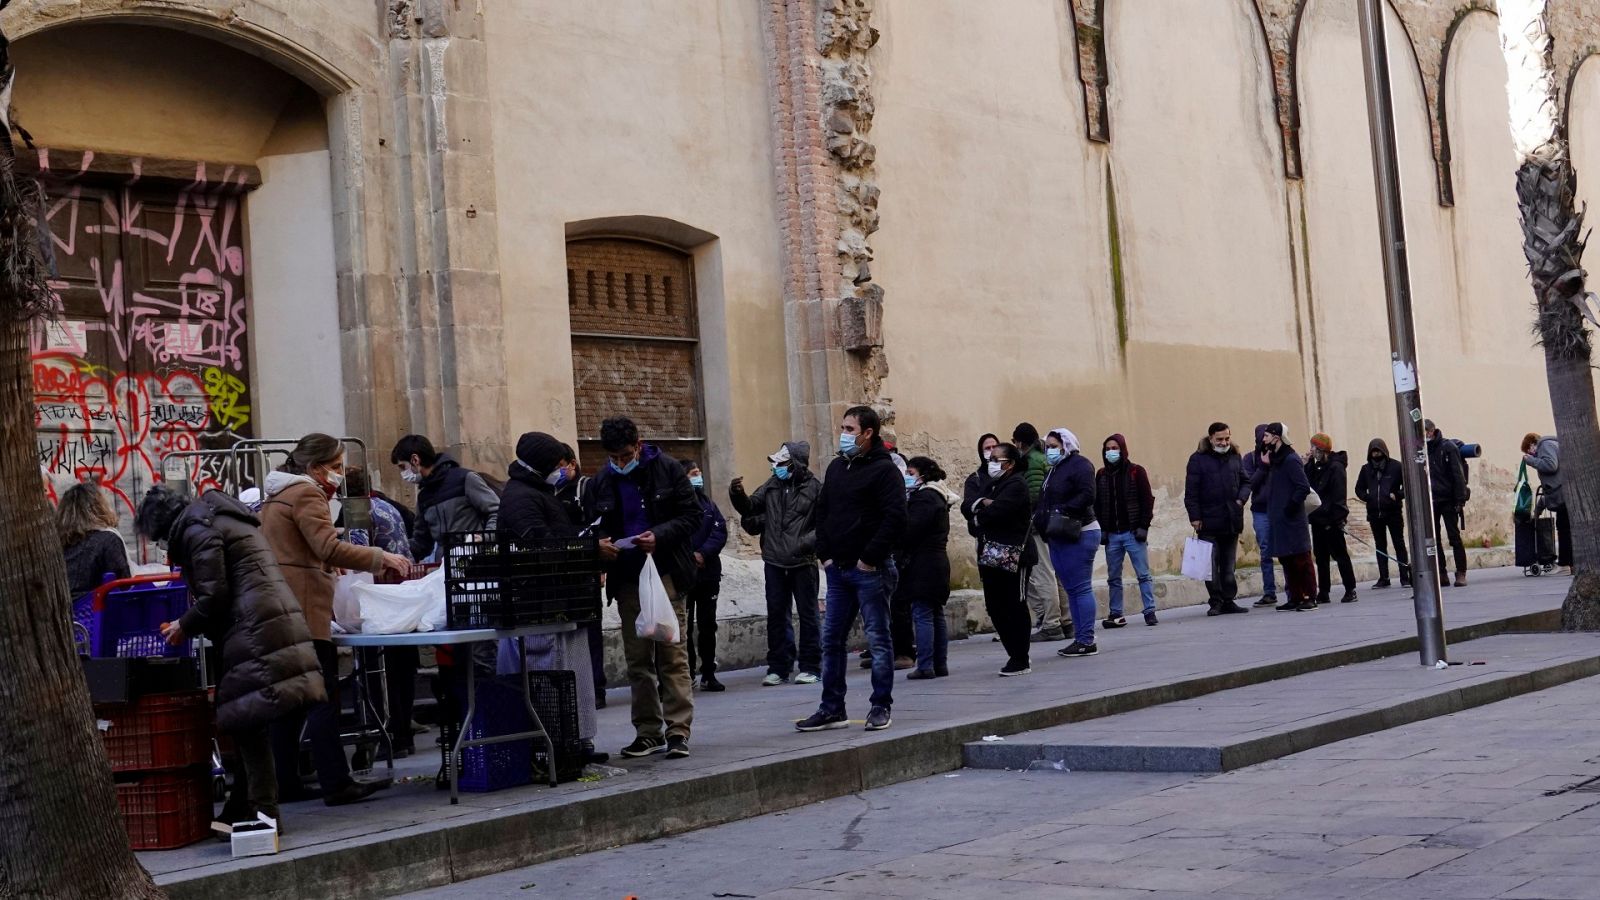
(749, 761)
(1247, 725)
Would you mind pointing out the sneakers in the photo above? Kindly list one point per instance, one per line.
(1461, 579)
(644, 747)
(1308, 606)
(1324, 598)
(677, 747)
(1114, 622)
(1349, 597)
(1268, 600)
(1150, 619)
(920, 675)
(821, 721)
(807, 678)
(1077, 649)
(878, 719)
(1013, 669)
(773, 679)
(354, 792)
(1380, 584)
(901, 663)
(1214, 611)
(1046, 635)
(1289, 606)
(710, 683)
(1232, 609)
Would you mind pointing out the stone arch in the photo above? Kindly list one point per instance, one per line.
(1447, 193)
(1583, 127)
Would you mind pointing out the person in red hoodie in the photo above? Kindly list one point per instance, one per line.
(1125, 506)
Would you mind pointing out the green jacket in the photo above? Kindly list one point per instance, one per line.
(1038, 468)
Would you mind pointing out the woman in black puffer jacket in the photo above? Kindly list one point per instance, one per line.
(241, 602)
(924, 562)
(1004, 549)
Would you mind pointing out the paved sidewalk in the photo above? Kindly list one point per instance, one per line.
(1495, 802)
(749, 760)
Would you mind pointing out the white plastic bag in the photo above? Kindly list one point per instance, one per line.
(1197, 559)
(657, 621)
(402, 608)
(346, 605)
(1313, 502)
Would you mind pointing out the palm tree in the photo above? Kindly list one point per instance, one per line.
(60, 834)
(1553, 241)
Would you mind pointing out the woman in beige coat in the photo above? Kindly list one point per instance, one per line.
(298, 523)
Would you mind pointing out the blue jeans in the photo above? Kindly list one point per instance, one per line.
(933, 640)
(1124, 544)
(1074, 562)
(1269, 582)
(852, 591)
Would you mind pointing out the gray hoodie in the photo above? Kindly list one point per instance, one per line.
(1546, 460)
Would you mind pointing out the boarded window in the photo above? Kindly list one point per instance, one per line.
(635, 344)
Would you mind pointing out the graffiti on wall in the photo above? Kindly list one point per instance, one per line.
(148, 354)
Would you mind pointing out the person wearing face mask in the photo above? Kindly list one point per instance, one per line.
(1125, 507)
(1288, 486)
(1051, 618)
(1261, 521)
(1382, 488)
(1327, 473)
(861, 517)
(1001, 515)
(1065, 516)
(298, 525)
(924, 564)
(643, 494)
(783, 513)
(1213, 496)
(972, 491)
(571, 492)
(450, 498)
(707, 542)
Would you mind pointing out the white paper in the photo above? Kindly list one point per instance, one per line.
(628, 543)
(1405, 377)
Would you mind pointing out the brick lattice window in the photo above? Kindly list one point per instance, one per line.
(635, 344)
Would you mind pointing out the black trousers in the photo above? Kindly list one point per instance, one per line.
(1327, 542)
(1563, 538)
(1002, 597)
(1223, 586)
(902, 629)
(321, 724)
(597, 657)
(1382, 531)
(400, 664)
(793, 593)
(701, 610)
(1447, 521)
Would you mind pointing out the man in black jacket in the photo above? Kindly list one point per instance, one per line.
(1214, 493)
(643, 495)
(783, 512)
(861, 516)
(1447, 477)
(1328, 476)
(1381, 486)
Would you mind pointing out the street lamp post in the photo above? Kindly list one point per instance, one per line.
(1402, 334)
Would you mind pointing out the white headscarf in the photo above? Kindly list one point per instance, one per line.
(1069, 441)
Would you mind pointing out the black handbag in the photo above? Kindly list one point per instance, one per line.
(1062, 527)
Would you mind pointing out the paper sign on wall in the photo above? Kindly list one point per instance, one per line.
(1405, 377)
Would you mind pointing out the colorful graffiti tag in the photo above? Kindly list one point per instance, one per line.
(148, 355)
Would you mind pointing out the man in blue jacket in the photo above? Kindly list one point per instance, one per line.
(861, 515)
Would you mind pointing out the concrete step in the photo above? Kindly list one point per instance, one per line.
(1243, 726)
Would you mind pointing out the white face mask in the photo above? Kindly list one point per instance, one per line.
(333, 479)
(994, 468)
(1220, 448)
(410, 476)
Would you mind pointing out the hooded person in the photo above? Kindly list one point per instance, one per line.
(924, 564)
(1051, 619)
(1260, 521)
(1381, 486)
(530, 511)
(1327, 472)
(1125, 507)
(972, 490)
(701, 606)
(1288, 488)
(1447, 477)
(242, 604)
(783, 514)
(1065, 515)
(1214, 493)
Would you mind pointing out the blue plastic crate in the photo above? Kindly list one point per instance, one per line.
(123, 618)
(493, 767)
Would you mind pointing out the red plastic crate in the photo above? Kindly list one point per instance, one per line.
(166, 811)
(158, 731)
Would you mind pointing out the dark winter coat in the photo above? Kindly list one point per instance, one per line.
(530, 509)
(861, 513)
(1249, 462)
(1213, 491)
(572, 495)
(1546, 460)
(709, 539)
(1287, 490)
(1329, 479)
(1068, 489)
(1378, 483)
(1006, 519)
(451, 499)
(923, 557)
(243, 604)
(1447, 474)
(90, 560)
(670, 506)
(783, 511)
(1123, 500)
(971, 493)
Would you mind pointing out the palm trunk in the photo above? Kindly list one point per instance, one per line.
(60, 833)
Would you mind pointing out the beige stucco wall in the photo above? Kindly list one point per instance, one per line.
(642, 109)
(1584, 125)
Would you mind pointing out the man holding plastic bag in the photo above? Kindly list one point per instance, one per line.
(647, 511)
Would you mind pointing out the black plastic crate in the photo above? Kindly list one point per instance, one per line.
(555, 699)
(498, 582)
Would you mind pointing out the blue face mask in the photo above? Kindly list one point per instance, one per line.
(847, 444)
(1053, 455)
(780, 472)
(632, 464)
(697, 480)
(556, 478)
(911, 482)
(1113, 456)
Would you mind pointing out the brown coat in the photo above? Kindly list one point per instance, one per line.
(298, 525)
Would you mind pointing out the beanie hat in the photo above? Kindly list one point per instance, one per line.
(1322, 441)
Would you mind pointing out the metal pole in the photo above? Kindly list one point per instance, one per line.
(1402, 335)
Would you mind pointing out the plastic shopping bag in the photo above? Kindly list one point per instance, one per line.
(346, 605)
(657, 621)
(402, 608)
(1197, 559)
